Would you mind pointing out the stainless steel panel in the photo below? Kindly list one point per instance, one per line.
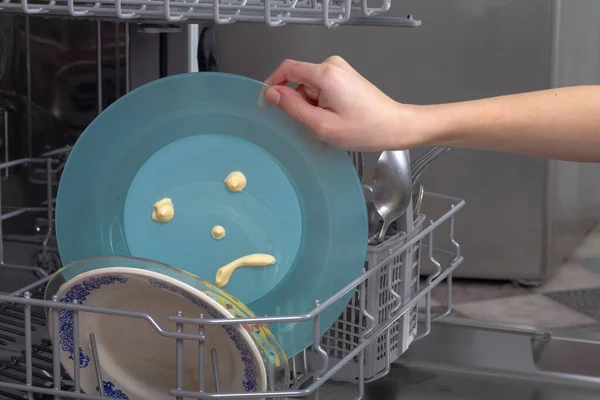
(468, 360)
(464, 50)
(574, 188)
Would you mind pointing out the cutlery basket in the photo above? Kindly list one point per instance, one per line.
(395, 283)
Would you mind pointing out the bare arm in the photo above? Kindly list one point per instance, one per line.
(344, 109)
(558, 123)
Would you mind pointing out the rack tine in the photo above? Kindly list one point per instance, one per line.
(294, 370)
(361, 375)
(449, 299)
(430, 279)
(5, 136)
(456, 257)
(49, 209)
(179, 356)
(370, 325)
(438, 266)
(127, 59)
(99, 82)
(452, 239)
(56, 373)
(201, 357)
(28, 74)
(439, 270)
(76, 353)
(215, 365)
(317, 344)
(28, 358)
(304, 362)
(97, 364)
(427, 318)
(117, 59)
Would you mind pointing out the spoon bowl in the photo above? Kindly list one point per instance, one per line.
(392, 187)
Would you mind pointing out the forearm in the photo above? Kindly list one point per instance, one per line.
(558, 123)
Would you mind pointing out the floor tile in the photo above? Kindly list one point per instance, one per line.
(585, 301)
(571, 276)
(535, 309)
(466, 291)
(590, 263)
(434, 303)
(590, 248)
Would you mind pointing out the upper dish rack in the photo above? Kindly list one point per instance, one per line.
(330, 13)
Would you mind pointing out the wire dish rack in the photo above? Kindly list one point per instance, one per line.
(378, 326)
(330, 13)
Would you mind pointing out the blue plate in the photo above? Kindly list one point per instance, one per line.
(179, 138)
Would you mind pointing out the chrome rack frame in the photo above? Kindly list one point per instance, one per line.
(313, 375)
(330, 13)
(52, 167)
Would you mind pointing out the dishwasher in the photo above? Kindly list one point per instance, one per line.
(63, 62)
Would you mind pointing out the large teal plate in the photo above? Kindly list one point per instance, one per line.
(179, 138)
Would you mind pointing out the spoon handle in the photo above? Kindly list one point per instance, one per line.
(383, 231)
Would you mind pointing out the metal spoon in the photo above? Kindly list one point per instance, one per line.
(373, 216)
(392, 187)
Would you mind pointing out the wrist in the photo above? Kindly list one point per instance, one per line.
(438, 124)
(417, 126)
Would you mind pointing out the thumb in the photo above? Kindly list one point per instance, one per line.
(293, 104)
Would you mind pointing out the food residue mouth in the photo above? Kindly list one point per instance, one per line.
(253, 260)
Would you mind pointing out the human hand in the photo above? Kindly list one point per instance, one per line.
(341, 107)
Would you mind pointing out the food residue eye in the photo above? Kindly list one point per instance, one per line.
(235, 181)
(218, 232)
(163, 211)
(252, 260)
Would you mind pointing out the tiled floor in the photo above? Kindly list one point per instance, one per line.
(570, 300)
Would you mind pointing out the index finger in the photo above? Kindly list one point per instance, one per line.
(298, 72)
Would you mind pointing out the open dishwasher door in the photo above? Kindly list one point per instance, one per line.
(467, 360)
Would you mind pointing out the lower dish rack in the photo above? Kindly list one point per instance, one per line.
(378, 325)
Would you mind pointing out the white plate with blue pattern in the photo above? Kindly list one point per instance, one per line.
(136, 362)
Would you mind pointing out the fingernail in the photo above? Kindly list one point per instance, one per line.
(273, 96)
(262, 103)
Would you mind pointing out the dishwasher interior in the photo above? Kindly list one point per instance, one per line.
(56, 75)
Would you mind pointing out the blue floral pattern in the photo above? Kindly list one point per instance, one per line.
(110, 391)
(250, 371)
(79, 293)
